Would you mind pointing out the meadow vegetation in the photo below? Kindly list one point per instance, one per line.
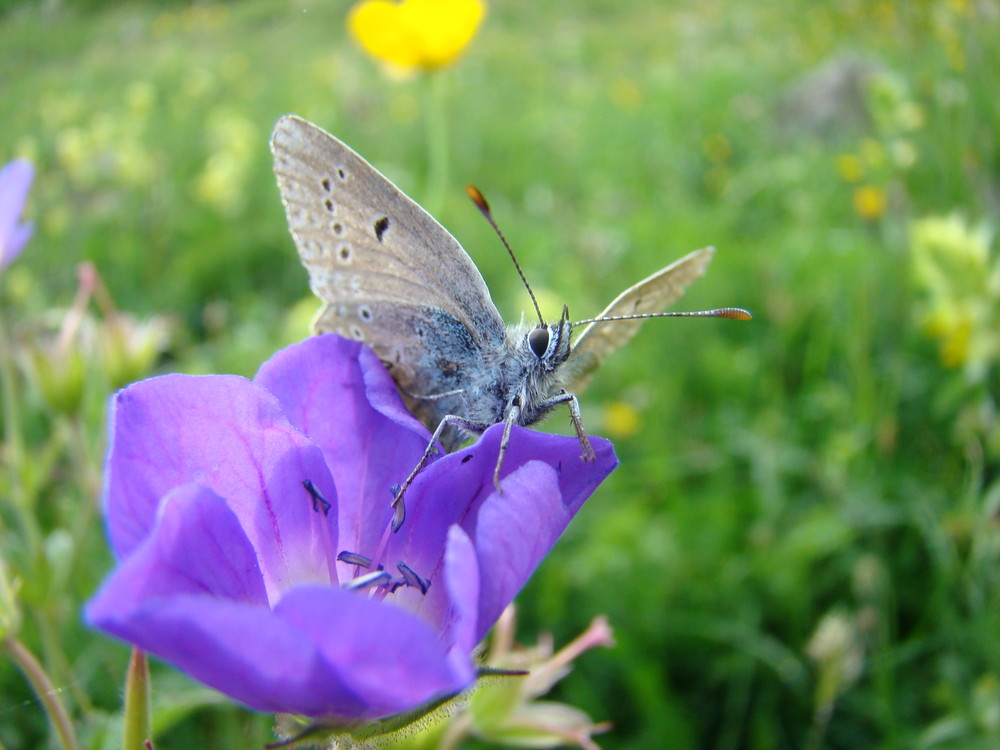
(801, 546)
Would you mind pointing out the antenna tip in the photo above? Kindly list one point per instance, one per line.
(473, 192)
(734, 313)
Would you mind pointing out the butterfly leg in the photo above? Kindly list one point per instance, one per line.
(397, 501)
(574, 414)
(512, 416)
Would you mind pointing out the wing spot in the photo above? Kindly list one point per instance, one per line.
(341, 174)
(344, 253)
(327, 184)
(337, 227)
(357, 333)
(365, 313)
(330, 205)
(380, 226)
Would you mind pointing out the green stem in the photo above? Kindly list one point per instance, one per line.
(438, 146)
(19, 475)
(11, 418)
(138, 707)
(44, 689)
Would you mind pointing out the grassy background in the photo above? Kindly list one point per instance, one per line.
(830, 468)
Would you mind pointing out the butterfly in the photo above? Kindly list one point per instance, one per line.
(391, 276)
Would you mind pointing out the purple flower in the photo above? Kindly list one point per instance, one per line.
(228, 502)
(15, 179)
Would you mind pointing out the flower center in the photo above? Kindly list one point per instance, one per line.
(380, 581)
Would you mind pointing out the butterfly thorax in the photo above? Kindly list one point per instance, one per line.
(520, 380)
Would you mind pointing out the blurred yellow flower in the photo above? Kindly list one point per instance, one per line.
(850, 168)
(870, 202)
(415, 34)
(621, 419)
(625, 94)
(960, 284)
(953, 329)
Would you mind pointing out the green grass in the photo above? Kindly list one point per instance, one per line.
(821, 460)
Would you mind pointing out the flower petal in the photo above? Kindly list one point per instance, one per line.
(197, 546)
(461, 578)
(544, 482)
(338, 393)
(227, 434)
(514, 531)
(15, 181)
(192, 594)
(425, 34)
(387, 655)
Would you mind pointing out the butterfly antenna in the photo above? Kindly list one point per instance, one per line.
(484, 209)
(733, 313)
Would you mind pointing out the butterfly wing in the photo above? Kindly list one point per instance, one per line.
(650, 295)
(388, 274)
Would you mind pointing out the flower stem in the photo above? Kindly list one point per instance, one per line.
(438, 145)
(43, 687)
(137, 703)
(11, 417)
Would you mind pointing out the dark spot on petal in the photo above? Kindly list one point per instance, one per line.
(381, 224)
(327, 185)
(466, 459)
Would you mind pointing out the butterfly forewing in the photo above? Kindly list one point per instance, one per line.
(650, 295)
(387, 272)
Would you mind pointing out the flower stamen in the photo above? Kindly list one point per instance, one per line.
(375, 579)
(353, 558)
(319, 502)
(412, 578)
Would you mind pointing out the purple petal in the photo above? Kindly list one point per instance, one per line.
(196, 547)
(548, 484)
(191, 594)
(514, 532)
(245, 652)
(15, 181)
(225, 433)
(338, 393)
(324, 652)
(461, 578)
(389, 656)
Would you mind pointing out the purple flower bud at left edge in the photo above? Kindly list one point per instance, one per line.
(251, 524)
(15, 181)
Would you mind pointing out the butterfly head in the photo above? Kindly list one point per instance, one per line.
(550, 343)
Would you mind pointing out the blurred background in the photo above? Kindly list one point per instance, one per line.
(800, 548)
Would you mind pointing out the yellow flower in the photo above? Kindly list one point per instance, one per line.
(850, 168)
(415, 34)
(621, 419)
(870, 202)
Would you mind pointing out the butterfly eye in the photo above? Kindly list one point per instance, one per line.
(538, 340)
